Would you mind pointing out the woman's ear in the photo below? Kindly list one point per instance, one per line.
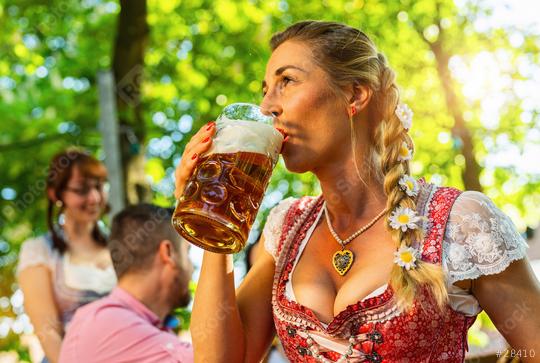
(360, 97)
(51, 195)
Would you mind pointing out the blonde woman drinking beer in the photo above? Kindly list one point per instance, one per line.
(381, 266)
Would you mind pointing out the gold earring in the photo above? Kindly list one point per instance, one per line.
(59, 203)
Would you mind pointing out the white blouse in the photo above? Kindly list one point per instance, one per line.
(479, 240)
(76, 276)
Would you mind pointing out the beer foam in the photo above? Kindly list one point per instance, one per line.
(246, 136)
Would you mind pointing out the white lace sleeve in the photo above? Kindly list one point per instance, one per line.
(479, 239)
(274, 224)
(34, 252)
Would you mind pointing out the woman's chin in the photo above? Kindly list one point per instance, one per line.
(90, 216)
(296, 166)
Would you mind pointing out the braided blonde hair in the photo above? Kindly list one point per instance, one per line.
(349, 57)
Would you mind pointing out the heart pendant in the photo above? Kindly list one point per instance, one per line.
(342, 261)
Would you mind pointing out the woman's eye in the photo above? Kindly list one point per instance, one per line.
(283, 82)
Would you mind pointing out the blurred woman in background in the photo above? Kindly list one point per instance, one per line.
(70, 265)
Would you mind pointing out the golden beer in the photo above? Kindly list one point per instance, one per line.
(222, 197)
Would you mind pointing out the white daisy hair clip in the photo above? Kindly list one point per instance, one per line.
(406, 257)
(404, 218)
(409, 185)
(405, 115)
(404, 152)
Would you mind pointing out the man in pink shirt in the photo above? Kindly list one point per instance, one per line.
(153, 269)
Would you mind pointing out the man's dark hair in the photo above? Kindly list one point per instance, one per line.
(136, 233)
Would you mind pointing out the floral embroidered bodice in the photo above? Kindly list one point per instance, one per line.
(464, 232)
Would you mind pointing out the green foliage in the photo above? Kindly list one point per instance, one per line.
(204, 54)
(12, 343)
(477, 333)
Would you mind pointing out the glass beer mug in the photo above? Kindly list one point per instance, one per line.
(221, 198)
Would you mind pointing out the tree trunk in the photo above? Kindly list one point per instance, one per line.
(128, 65)
(471, 172)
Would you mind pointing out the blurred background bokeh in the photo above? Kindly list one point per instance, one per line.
(469, 69)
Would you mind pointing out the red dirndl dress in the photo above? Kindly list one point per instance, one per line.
(381, 332)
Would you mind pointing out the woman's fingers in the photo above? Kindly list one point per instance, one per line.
(203, 132)
(199, 143)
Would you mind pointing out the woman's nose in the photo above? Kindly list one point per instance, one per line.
(270, 107)
(94, 195)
